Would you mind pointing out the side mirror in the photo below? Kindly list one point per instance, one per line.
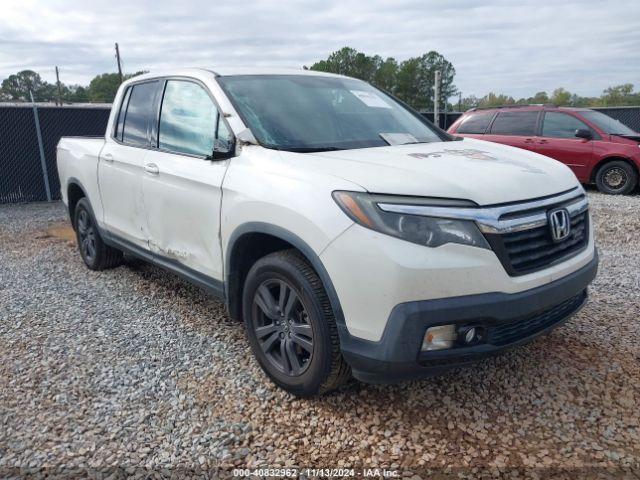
(584, 133)
(223, 149)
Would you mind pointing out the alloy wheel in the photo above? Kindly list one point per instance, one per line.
(282, 327)
(87, 235)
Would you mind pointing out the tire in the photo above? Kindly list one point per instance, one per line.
(291, 327)
(96, 254)
(616, 178)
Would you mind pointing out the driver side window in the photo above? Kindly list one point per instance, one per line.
(561, 125)
(189, 119)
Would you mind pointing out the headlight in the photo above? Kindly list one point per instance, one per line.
(429, 231)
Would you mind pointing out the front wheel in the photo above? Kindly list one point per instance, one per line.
(616, 178)
(291, 327)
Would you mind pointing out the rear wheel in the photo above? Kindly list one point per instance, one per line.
(291, 327)
(96, 254)
(616, 178)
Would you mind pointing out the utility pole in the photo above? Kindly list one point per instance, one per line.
(59, 87)
(436, 99)
(119, 63)
(460, 102)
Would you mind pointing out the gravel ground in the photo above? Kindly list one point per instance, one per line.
(134, 368)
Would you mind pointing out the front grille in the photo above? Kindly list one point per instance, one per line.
(533, 249)
(527, 251)
(503, 334)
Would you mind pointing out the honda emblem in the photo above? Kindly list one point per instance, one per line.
(559, 224)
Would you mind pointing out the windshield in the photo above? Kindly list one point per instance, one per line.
(314, 113)
(608, 124)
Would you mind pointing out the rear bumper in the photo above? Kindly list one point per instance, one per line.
(507, 319)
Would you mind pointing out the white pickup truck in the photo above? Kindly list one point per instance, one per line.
(350, 235)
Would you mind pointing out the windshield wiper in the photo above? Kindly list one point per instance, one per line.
(630, 136)
(309, 149)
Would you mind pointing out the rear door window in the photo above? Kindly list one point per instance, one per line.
(561, 125)
(121, 114)
(476, 123)
(140, 112)
(515, 123)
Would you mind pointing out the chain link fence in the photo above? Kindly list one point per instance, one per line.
(27, 159)
(28, 171)
(446, 118)
(630, 116)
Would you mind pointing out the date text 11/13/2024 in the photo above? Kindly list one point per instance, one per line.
(317, 472)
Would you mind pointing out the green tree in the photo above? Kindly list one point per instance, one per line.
(103, 87)
(560, 96)
(578, 101)
(620, 95)
(75, 94)
(467, 103)
(540, 97)
(416, 78)
(16, 87)
(411, 80)
(495, 100)
(348, 61)
(411, 86)
(386, 74)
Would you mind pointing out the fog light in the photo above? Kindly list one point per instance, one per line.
(439, 338)
(470, 335)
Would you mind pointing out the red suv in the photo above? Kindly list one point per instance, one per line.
(598, 148)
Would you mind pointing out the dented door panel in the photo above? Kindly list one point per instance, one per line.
(182, 201)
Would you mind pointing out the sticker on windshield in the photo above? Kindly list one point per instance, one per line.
(370, 99)
(398, 138)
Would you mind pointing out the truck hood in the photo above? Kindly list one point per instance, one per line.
(484, 172)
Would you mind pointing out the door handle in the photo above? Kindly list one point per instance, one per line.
(152, 168)
(543, 141)
(108, 157)
(528, 140)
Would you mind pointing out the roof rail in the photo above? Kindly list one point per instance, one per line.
(547, 105)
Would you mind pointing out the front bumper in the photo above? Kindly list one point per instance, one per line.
(509, 319)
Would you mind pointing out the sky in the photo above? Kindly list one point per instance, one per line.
(513, 47)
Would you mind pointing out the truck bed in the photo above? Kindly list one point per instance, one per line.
(77, 158)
